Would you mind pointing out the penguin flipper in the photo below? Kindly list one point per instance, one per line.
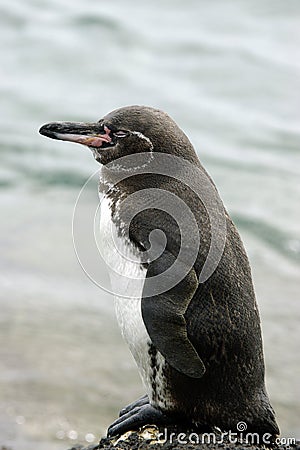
(163, 316)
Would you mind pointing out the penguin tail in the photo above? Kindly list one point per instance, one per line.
(266, 423)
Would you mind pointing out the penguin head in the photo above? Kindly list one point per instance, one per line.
(124, 131)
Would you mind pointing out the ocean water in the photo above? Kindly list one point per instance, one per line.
(229, 74)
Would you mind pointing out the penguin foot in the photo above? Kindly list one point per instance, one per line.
(144, 400)
(136, 418)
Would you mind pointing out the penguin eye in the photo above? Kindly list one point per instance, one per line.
(121, 134)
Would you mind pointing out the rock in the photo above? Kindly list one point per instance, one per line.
(153, 438)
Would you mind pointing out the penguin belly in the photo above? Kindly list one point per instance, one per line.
(121, 257)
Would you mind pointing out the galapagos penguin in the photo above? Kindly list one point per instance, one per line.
(197, 345)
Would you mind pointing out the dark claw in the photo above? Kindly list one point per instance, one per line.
(139, 402)
(136, 418)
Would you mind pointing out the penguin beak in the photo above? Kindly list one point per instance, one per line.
(90, 134)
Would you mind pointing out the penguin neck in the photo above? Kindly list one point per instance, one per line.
(110, 188)
(115, 190)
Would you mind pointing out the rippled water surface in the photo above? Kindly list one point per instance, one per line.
(229, 73)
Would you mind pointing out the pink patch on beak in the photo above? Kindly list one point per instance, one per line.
(90, 141)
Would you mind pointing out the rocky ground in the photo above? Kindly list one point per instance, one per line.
(150, 438)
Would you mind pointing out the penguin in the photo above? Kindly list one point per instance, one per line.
(197, 344)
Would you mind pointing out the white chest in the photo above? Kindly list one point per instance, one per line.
(127, 278)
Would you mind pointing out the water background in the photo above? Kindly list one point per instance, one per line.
(229, 73)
